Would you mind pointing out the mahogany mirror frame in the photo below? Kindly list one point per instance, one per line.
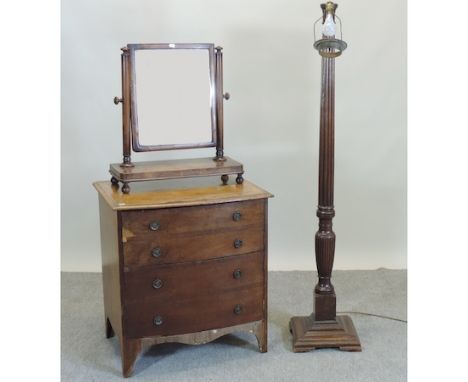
(127, 171)
(136, 145)
(129, 101)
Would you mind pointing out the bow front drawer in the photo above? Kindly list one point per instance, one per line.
(224, 216)
(160, 284)
(203, 312)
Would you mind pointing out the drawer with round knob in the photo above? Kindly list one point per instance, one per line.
(203, 311)
(181, 220)
(178, 248)
(161, 283)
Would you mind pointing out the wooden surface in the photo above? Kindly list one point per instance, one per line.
(179, 193)
(219, 103)
(325, 300)
(179, 281)
(192, 233)
(263, 336)
(191, 247)
(202, 312)
(132, 84)
(210, 274)
(205, 336)
(194, 219)
(309, 334)
(126, 130)
(111, 269)
(176, 168)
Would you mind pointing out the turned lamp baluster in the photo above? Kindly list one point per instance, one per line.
(324, 328)
(325, 301)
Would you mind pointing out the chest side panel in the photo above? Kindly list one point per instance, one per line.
(111, 267)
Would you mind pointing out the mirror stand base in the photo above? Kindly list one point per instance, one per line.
(174, 169)
(310, 334)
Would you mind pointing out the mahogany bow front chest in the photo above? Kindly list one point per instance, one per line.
(185, 264)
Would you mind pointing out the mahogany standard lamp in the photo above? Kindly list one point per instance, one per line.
(323, 328)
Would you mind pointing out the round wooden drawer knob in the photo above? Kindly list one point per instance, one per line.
(154, 226)
(238, 243)
(237, 274)
(238, 309)
(158, 320)
(236, 216)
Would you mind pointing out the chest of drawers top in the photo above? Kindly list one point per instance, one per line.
(179, 193)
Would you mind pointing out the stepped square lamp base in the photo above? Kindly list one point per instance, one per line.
(310, 334)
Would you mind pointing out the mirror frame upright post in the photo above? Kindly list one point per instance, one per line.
(126, 132)
(220, 96)
(125, 101)
(323, 328)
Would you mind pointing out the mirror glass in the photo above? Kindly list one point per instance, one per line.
(173, 96)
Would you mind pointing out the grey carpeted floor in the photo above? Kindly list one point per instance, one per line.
(88, 356)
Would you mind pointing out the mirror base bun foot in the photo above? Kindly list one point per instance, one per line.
(115, 182)
(239, 179)
(225, 179)
(125, 188)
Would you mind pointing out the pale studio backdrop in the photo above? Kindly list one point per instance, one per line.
(271, 122)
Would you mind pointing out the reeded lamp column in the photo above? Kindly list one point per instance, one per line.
(323, 328)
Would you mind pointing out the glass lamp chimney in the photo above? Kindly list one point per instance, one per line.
(329, 26)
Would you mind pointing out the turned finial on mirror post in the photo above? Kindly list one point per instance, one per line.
(323, 328)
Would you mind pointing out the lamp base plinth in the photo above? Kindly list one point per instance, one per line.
(310, 334)
(324, 306)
